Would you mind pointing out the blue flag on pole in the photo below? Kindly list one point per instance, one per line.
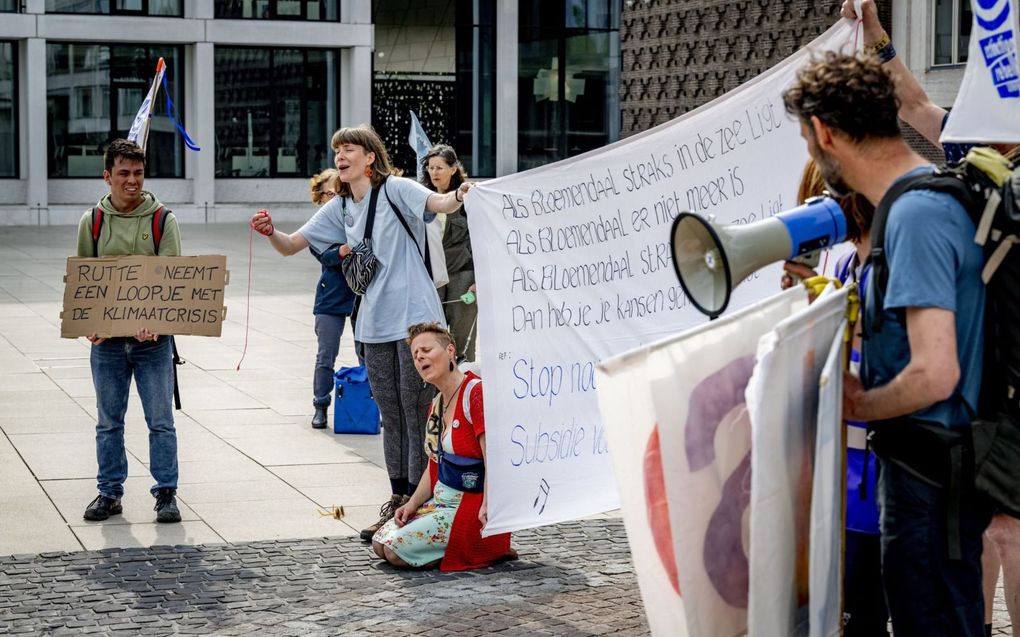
(419, 141)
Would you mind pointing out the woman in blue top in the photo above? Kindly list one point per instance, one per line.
(865, 612)
(400, 294)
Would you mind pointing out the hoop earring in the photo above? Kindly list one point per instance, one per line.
(452, 367)
(369, 172)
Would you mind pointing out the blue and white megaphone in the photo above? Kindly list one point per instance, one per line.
(711, 260)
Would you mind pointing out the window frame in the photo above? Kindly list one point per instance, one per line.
(276, 111)
(954, 34)
(274, 13)
(143, 12)
(113, 84)
(15, 110)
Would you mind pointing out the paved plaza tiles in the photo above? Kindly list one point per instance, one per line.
(252, 554)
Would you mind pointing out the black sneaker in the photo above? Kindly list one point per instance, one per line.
(101, 508)
(386, 512)
(166, 506)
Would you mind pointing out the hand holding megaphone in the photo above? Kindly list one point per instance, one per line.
(711, 260)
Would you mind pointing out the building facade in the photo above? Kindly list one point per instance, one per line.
(255, 82)
(260, 85)
(680, 54)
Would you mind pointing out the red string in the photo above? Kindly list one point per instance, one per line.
(825, 264)
(247, 312)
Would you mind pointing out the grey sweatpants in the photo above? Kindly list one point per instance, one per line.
(403, 399)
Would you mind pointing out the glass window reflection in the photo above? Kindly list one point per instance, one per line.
(8, 111)
(275, 111)
(117, 7)
(569, 78)
(93, 92)
(312, 10)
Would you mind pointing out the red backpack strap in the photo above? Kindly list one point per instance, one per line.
(158, 225)
(97, 225)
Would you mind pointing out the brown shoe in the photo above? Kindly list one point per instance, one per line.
(386, 512)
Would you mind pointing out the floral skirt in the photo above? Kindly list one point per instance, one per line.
(423, 540)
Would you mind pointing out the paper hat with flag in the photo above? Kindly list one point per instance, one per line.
(139, 132)
(419, 141)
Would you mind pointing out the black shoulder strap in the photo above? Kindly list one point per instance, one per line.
(177, 360)
(407, 229)
(937, 181)
(370, 222)
(97, 226)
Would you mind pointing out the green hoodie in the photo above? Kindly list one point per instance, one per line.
(128, 232)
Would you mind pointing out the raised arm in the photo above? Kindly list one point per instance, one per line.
(916, 108)
(449, 202)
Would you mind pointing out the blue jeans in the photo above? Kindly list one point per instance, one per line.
(929, 595)
(151, 363)
(328, 330)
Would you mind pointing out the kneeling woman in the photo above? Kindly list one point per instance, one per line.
(442, 522)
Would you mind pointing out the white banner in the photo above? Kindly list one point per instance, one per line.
(987, 108)
(681, 441)
(825, 602)
(577, 268)
(782, 398)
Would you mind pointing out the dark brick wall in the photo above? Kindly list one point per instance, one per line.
(680, 54)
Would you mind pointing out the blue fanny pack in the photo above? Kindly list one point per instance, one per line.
(460, 472)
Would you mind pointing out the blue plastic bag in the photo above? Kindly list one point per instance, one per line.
(354, 411)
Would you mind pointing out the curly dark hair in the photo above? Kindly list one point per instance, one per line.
(853, 94)
(448, 155)
(122, 148)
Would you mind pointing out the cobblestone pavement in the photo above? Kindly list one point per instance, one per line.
(572, 579)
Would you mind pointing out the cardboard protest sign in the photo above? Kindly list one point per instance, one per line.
(117, 296)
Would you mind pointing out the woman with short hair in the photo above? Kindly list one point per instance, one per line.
(441, 524)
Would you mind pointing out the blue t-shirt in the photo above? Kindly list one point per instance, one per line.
(401, 293)
(933, 262)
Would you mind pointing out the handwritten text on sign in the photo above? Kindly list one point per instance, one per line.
(577, 266)
(117, 296)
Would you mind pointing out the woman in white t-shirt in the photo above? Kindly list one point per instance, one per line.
(400, 294)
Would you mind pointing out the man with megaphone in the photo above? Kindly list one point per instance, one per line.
(921, 356)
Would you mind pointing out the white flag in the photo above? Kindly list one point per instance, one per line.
(419, 141)
(139, 132)
(679, 430)
(827, 504)
(987, 108)
(782, 398)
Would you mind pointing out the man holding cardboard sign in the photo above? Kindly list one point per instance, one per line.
(131, 221)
